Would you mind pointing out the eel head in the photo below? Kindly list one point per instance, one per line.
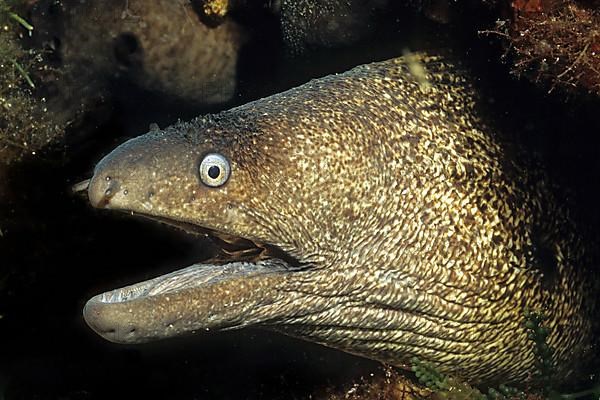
(252, 188)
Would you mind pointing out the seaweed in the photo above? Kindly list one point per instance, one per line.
(388, 384)
(555, 43)
(559, 42)
(452, 388)
(25, 124)
(538, 333)
(546, 370)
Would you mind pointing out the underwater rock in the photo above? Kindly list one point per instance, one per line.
(60, 71)
(322, 23)
(162, 46)
(25, 123)
(307, 24)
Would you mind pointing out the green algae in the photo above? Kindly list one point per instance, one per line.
(25, 124)
(538, 333)
(450, 388)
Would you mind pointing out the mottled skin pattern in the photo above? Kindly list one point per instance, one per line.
(421, 233)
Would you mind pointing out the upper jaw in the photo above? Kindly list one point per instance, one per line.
(237, 248)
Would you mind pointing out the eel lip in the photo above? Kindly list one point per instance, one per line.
(185, 300)
(98, 311)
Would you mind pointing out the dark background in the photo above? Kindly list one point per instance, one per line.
(56, 251)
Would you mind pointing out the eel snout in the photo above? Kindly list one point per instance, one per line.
(101, 190)
(95, 317)
(107, 181)
(129, 178)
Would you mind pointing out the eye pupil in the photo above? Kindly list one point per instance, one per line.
(214, 172)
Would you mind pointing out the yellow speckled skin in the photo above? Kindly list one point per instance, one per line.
(424, 233)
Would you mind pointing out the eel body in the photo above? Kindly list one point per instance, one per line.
(371, 211)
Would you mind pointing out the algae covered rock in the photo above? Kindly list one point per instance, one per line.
(59, 62)
(25, 123)
(161, 46)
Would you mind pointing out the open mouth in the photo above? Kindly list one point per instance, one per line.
(134, 313)
(235, 256)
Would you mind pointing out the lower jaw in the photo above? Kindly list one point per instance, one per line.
(196, 297)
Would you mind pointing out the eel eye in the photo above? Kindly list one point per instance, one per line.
(214, 170)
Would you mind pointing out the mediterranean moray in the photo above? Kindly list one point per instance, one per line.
(371, 211)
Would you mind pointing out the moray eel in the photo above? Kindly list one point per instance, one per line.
(371, 211)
